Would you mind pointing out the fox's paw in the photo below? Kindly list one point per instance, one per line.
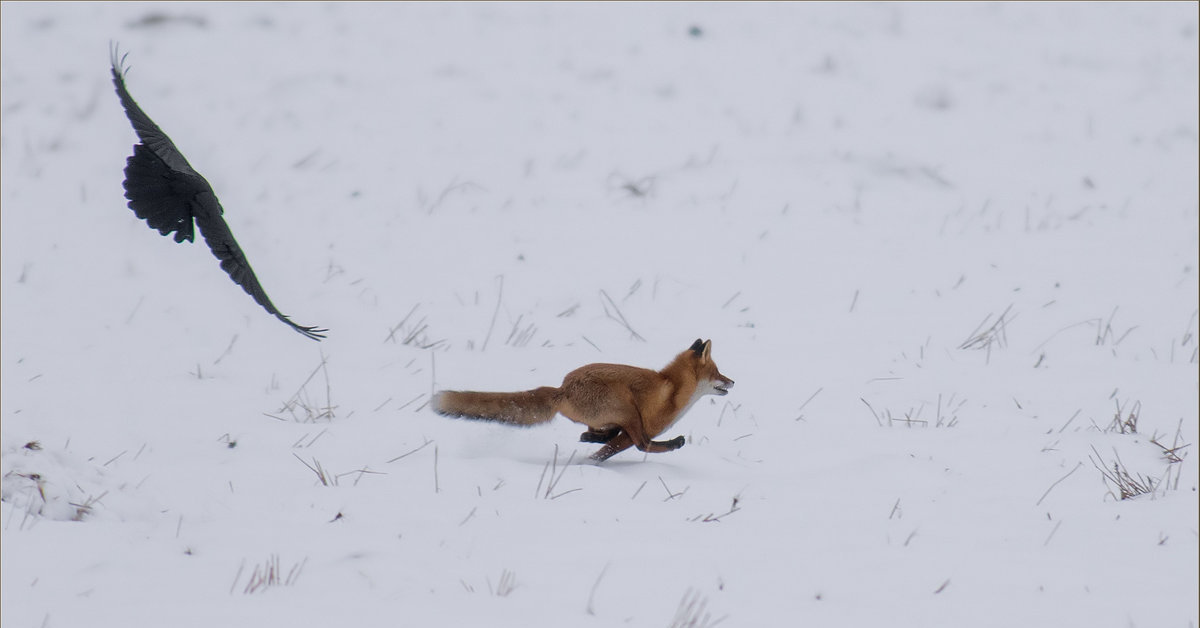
(592, 437)
(676, 443)
(602, 454)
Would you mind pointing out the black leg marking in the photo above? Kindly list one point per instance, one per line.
(594, 435)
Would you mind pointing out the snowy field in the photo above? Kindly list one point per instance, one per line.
(948, 253)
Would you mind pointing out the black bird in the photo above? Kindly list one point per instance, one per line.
(169, 195)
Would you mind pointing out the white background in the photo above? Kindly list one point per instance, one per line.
(841, 196)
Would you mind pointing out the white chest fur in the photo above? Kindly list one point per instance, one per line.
(696, 395)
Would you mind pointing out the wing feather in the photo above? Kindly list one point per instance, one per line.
(225, 248)
(146, 130)
(159, 195)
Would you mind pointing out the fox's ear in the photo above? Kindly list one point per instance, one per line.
(697, 348)
(705, 355)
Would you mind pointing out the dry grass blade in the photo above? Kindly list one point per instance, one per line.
(873, 412)
(986, 336)
(360, 472)
(1173, 453)
(326, 478)
(453, 187)
(414, 335)
(412, 451)
(555, 476)
(269, 574)
(671, 494)
(607, 302)
(800, 416)
(710, 517)
(301, 406)
(506, 584)
(591, 608)
(520, 336)
(84, 509)
(1105, 333)
(1128, 486)
(693, 612)
(496, 312)
(1057, 482)
(1128, 424)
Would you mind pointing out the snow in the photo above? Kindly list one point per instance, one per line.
(938, 246)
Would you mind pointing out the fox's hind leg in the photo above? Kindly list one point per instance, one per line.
(594, 435)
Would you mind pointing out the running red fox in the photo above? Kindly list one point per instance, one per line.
(622, 406)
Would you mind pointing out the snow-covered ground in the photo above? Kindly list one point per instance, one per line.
(948, 252)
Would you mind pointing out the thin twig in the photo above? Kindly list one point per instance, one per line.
(1056, 483)
(810, 398)
(422, 446)
(591, 609)
(873, 413)
(499, 298)
(620, 318)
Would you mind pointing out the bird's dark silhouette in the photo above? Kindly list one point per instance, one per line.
(170, 196)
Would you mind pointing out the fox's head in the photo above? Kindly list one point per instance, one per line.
(709, 379)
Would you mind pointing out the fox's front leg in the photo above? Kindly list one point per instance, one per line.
(622, 441)
(633, 434)
(619, 443)
(658, 446)
(640, 440)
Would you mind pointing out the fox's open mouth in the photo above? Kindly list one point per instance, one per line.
(721, 390)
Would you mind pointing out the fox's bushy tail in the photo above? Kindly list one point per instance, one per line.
(518, 408)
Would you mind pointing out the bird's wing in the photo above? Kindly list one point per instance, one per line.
(169, 195)
(148, 132)
(207, 211)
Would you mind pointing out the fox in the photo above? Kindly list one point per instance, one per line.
(622, 406)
